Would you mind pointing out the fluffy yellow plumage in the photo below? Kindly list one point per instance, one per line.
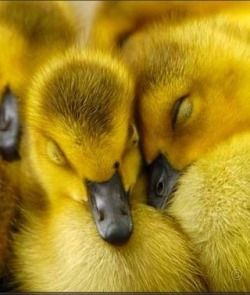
(212, 206)
(87, 97)
(192, 87)
(59, 249)
(194, 110)
(84, 103)
(112, 22)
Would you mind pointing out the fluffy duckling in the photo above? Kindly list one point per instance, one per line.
(192, 93)
(59, 250)
(30, 31)
(212, 205)
(82, 143)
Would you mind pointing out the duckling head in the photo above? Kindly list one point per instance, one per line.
(81, 136)
(192, 94)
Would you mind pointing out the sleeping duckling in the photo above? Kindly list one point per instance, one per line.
(212, 205)
(30, 31)
(81, 136)
(192, 93)
(59, 250)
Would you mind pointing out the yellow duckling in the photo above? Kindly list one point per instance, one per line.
(81, 139)
(192, 93)
(212, 205)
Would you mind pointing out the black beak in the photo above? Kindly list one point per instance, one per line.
(110, 209)
(9, 127)
(162, 179)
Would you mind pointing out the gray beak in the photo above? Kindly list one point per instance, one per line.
(162, 179)
(110, 210)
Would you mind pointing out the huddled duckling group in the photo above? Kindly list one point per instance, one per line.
(124, 146)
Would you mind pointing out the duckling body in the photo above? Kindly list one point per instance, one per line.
(61, 239)
(212, 206)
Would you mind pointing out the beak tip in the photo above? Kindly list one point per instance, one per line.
(116, 233)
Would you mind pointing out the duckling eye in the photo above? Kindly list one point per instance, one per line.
(55, 154)
(182, 110)
(133, 134)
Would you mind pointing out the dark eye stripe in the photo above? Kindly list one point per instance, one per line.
(175, 109)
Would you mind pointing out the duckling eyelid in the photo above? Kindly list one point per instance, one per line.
(175, 109)
(59, 150)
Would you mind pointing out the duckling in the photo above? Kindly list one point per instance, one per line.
(30, 31)
(192, 93)
(61, 239)
(87, 146)
(212, 206)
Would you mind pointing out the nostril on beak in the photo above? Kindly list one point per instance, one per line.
(4, 123)
(124, 211)
(160, 189)
(101, 214)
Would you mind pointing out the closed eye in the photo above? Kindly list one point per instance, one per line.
(55, 154)
(181, 110)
